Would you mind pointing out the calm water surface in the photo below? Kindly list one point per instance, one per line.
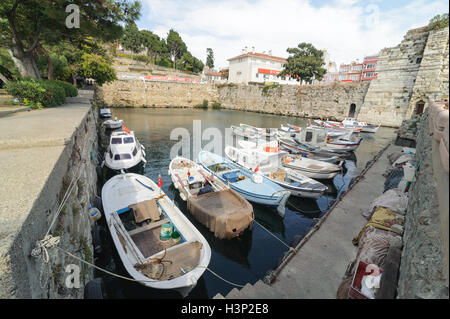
(248, 258)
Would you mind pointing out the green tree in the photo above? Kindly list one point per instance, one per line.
(176, 46)
(210, 58)
(304, 63)
(155, 46)
(97, 67)
(32, 23)
(133, 39)
(438, 22)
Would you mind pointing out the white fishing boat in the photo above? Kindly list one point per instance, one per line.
(337, 125)
(112, 124)
(368, 128)
(306, 150)
(252, 186)
(124, 152)
(158, 246)
(269, 165)
(209, 200)
(312, 168)
(318, 137)
(244, 132)
(306, 166)
(105, 113)
(262, 132)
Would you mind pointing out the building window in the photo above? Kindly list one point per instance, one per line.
(370, 66)
(369, 74)
(257, 74)
(283, 78)
(418, 60)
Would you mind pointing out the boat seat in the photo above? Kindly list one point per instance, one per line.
(145, 210)
(149, 226)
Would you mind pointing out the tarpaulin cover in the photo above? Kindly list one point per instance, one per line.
(225, 213)
(394, 199)
(374, 246)
(383, 218)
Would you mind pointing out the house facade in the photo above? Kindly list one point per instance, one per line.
(253, 67)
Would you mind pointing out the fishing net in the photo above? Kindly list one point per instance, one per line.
(225, 213)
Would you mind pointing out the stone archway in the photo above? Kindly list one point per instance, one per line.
(419, 107)
(351, 112)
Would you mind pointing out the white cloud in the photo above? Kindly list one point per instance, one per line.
(349, 29)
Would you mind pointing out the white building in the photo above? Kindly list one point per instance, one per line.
(253, 67)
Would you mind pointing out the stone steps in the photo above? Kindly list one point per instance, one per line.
(259, 290)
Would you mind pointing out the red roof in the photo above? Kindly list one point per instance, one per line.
(215, 73)
(258, 55)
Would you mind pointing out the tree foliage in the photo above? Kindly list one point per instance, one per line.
(176, 46)
(97, 67)
(304, 63)
(155, 46)
(132, 39)
(210, 58)
(32, 23)
(438, 22)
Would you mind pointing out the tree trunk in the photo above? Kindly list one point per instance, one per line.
(3, 78)
(49, 62)
(26, 64)
(74, 79)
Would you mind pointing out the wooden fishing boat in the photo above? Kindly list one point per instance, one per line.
(141, 218)
(312, 168)
(309, 151)
(112, 124)
(262, 132)
(252, 186)
(368, 128)
(105, 113)
(269, 165)
(209, 200)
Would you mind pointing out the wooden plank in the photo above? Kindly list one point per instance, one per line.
(148, 227)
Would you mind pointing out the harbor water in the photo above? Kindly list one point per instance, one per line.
(251, 256)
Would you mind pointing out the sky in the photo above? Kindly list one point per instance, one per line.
(347, 29)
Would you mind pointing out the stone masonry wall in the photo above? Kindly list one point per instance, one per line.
(423, 266)
(432, 78)
(387, 100)
(317, 101)
(137, 93)
(331, 101)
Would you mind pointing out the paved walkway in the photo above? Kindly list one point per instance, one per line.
(30, 145)
(316, 271)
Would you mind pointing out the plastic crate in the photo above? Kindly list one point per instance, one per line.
(355, 288)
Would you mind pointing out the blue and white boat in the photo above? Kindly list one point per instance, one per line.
(252, 186)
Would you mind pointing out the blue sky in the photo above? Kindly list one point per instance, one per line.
(348, 29)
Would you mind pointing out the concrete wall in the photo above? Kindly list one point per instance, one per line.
(424, 264)
(23, 276)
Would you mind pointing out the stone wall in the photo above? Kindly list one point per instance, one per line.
(137, 93)
(432, 78)
(316, 101)
(331, 101)
(24, 276)
(424, 264)
(413, 71)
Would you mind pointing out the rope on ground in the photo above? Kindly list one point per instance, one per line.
(290, 248)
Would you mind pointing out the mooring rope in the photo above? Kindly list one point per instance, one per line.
(290, 248)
